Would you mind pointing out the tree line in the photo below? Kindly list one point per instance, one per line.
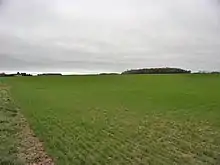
(157, 71)
(27, 74)
(166, 70)
(14, 74)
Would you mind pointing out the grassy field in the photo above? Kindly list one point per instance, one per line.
(134, 119)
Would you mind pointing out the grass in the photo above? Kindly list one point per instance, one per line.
(134, 119)
(8, 129)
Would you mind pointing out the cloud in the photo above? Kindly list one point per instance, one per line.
(109, 35)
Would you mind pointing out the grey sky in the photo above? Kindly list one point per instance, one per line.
(108, 35)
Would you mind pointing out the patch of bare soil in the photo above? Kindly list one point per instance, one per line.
(30, 149)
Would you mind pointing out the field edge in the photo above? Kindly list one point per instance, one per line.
(20, 145)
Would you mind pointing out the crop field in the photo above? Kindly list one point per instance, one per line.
(129, 119)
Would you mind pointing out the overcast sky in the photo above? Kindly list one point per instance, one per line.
(86, 36)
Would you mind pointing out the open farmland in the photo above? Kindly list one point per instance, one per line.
(130, 119)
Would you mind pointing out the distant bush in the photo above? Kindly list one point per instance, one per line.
(2, 74)
(50, 74)
(156, 71)
(206, 72)
(25, 74)
(215, 72)
(108, 74)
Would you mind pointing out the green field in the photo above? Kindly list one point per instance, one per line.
(130, 119)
